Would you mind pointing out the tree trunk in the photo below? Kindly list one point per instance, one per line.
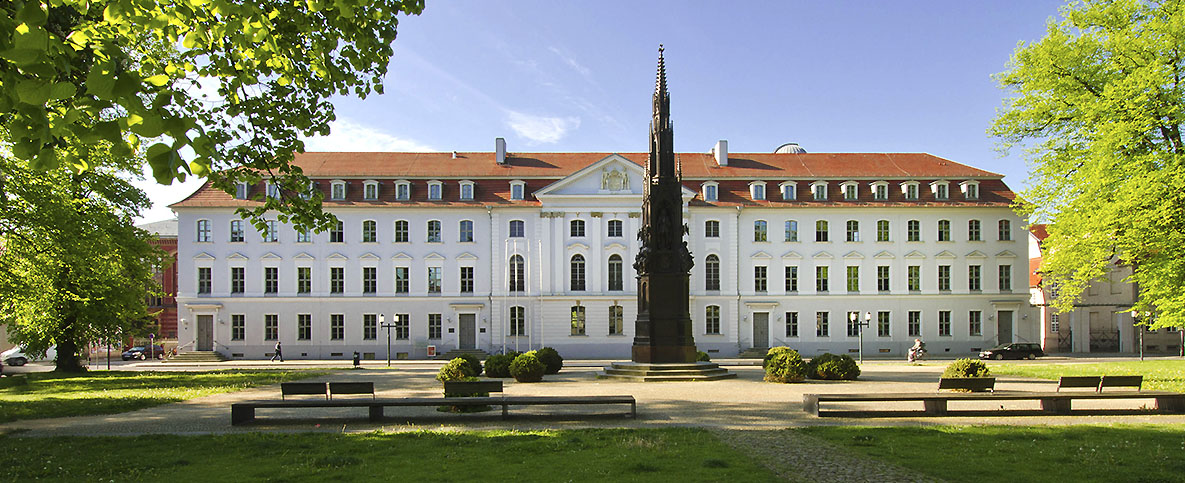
(68, 360)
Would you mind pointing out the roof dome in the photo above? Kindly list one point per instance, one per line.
(790, 148)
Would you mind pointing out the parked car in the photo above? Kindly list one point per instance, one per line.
(143, 352)
(1014, 350)
(18, 356)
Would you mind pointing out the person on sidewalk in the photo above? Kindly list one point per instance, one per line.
(279, 353)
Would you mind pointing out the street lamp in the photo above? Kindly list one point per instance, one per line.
(854, 317)
(1138, 326)
(383, 324)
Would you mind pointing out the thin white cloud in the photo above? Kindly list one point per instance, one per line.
(584, 71)
(346, 135)
(541, 129)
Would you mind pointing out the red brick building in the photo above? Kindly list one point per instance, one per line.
(166, 232)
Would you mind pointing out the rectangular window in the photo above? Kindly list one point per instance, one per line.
(975, 322)
(615, 228)
(791, 279)
(973, 230)
(853, 278)
(940, 192)
(791, 231)
(1055, 323)
(303, 236)
(466, 191)
(616, 319)
(338, 233)
(403, 191)
(821, 328)
(759, 192)
(516, 191)
(759, 231)
(271, 327)
(788, 192)
(853, 324)
(337, 327)
(882, 230)
(578, 320)
(1005, 230)
(821, 231)
(370, 191)
(712, 229)
(915, 323)
(712, 273)
(434, 191)
(304, 326)
(271, 231)
(820, 192)
(370, 231)
(882, 278)
(974, 278)
(236, 230)
(882, 191)
(203, 230)
(337, 280)
(401, 231)
(760, 279)
(370, 279)
(271, 280)
(402, 326)
(710, 193)
(434, 326)
(944, 278)
(944, 323)
(913, 230)
(849, 192)
(304, 279)
(911, 191)
(466, 279)
(1005, 278)
(943, 230)
(370, 326)
(972, 192)
(712, 319)
(402, 280)
(434, 279)
(338, 191)
(791, 324)
(433, 231)
(240, 191)
(853, 231)
(518, 321)
(883, 328)
(616, 273)
(203, 280)
(820, 279)
(576, 228)
(238, 326)
(914, 277)
(237, 276)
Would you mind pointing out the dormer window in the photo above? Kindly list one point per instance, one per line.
(941, 190)
(757, 190)
(466, 190)
(910, 190)
(370, 190)
(711, 191)
(819, 190)
(970, 190)
(880, 190)
(789, 190)
(517, 189)
(851, 190)
(402, 190)
(338, 190)
(273, 190)
(241, 190)
(434, 190)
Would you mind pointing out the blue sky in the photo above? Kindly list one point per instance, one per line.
(834, 76)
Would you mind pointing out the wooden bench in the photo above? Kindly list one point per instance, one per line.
(973, 384)
(471, 388)
(244, 412)
(302, 389)
(1078, 382)
(337, 388)
(935, 404)
(1121, 381)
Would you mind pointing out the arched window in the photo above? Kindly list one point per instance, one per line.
(821, 231)
(973, 230)
(712, 273)
(577, 272)
(760, 231)
(466, 231)
(943, 230)
(615, 272)
(913, 230)
(401, 231)
(434, 231)
(369, 231)
(518, 278)
(712, 319)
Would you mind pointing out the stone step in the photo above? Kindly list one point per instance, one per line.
(670, 372)
(665, 366)
(455, 353)
(197, 356)
(754, 353)
(687, 378)
(627, 372)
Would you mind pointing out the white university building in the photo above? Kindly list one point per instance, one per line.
(514, 251)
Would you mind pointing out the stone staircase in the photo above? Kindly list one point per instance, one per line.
(197, 356)
(646, 372)
(754, 353)
(455, 353)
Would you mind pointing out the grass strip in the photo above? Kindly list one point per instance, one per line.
(1160, 375)
(53, 394)
(676, 454)
(1083, 453)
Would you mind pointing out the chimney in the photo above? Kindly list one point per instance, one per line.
(721, 152)
(500, 147)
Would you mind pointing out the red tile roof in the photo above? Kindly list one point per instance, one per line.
(1040, 231)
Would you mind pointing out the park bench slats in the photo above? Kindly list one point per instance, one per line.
(302, 389)
(1078, 382)
(244, 412)
(339, 388)
(935, 404)
(973, 384)
(1121, 381)
(470, 388)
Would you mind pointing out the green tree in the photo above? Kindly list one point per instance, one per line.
(235, 82)
(73, 268)
(1097, 105)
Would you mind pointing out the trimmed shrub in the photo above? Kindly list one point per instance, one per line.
(774, 351)
(474, 364)
(454, 370)
(701, 356)
(833, 367)
(966, 368)
(527, 368)
(498, 365)
(551, 359)
(785, 366)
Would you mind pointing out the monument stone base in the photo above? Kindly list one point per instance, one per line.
(669, 371)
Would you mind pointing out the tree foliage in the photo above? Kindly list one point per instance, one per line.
(234, 82)
(1098, 104)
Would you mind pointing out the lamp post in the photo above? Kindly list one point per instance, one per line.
(383, 324)
(1140, 327)
(854, 318)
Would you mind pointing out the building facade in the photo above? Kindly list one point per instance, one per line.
(165, 306)
(501, 251)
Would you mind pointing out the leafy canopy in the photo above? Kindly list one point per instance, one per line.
(1098, 104)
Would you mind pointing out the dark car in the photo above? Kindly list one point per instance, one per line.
(144, 352)
(1015, 350)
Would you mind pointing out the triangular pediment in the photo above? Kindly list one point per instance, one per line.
(203, 256)
(760, 256)
(615, 246)
(236, 256)
(884, 255)
(369, 256)
(853, 255)
(976, 254)
(945, 254)
(822, 255)
(466, 256)
(914, 255)
(401, 256)
(271, 256)
(433, 256)
(612, 175)
(791, 255)
(304, 256)
(1006, 254)
(337, 256)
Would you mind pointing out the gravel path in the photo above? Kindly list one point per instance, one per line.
(794, 456)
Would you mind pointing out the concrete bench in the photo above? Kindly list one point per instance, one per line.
(1121, 381)
(1091, 382)
(973, 384)
(244, 412)
(302, 389)
(340, 388)
(471, 388)
(935, 404)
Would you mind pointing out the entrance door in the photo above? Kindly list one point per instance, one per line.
(761, 330)
(205, 332)
(468, 334)
(1004, 326)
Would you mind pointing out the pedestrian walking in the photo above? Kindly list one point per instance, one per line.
(279, 352)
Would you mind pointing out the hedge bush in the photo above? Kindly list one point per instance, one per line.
(498, 365)
(785, 366)
(455, 370)
(966, 368)
(551, 359)
(833, 367)
(774, 351)
(701, 356)
(527, 368)
(474, 364)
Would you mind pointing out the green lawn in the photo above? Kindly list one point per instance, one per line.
(678, 454)
(1027, 453)
(51, 394)
(1163, 375)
